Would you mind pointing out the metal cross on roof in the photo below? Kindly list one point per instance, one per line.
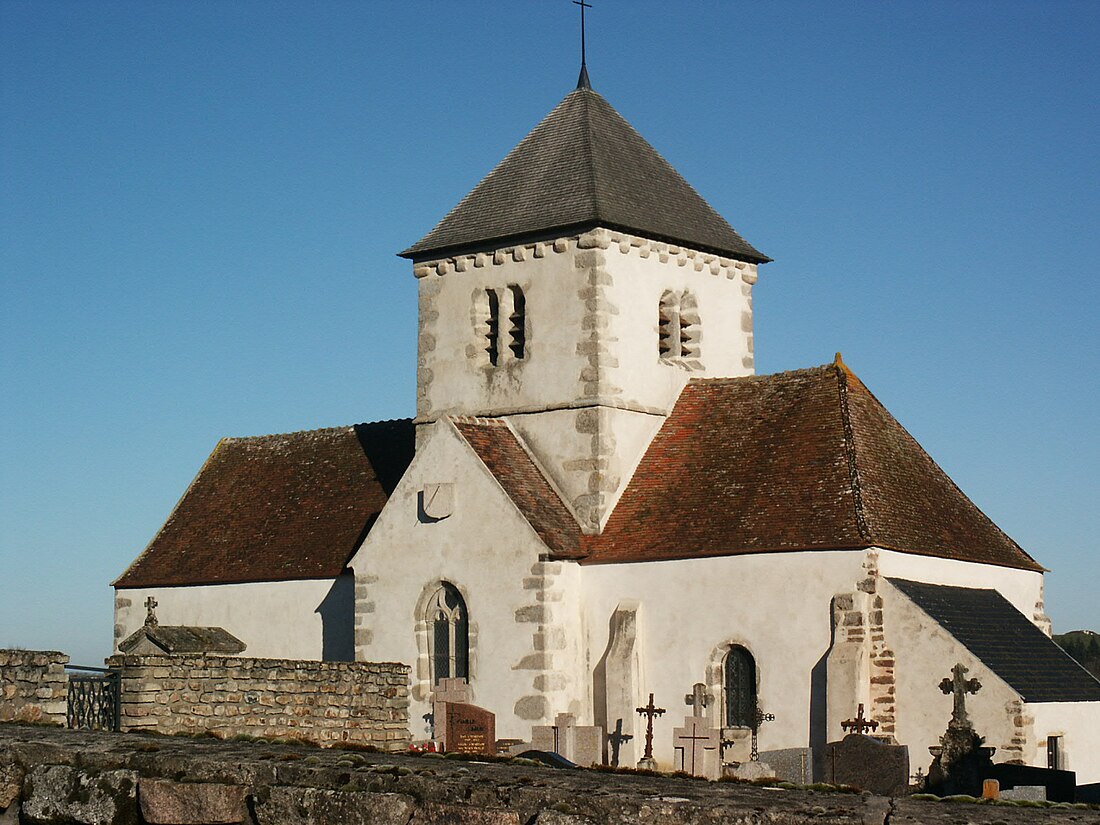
(582, 81)
(960, 686)
(860, 724)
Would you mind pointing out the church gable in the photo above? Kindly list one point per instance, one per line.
(278, 507)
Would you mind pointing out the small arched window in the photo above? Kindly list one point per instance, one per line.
(450, 634)
(678, 328)
(740, 687)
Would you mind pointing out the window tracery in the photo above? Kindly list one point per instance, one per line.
(449, 640)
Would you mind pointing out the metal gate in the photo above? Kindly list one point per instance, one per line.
(93, 698)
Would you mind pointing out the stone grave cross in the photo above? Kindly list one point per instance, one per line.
(693, 740)
(859, 724)
(150, 612)
(960, 686)
(698, 699)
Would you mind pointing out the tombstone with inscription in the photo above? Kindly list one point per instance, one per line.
(470, 729)
(790, 764)
(869, 764)
(580, 744)
(698, 745)
(447, 691)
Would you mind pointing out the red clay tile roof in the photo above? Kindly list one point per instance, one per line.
(277, 507)
(497, 447)
(805, 460)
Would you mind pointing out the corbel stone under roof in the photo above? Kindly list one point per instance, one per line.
(583, 166)
(277, 507)
(802, 460)
(998, 634)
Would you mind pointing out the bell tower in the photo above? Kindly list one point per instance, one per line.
(574, 292)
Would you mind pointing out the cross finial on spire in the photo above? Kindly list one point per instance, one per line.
(582, 81)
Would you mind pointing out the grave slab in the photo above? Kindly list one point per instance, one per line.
(869, 764)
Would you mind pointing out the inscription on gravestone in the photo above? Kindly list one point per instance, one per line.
(471, 729)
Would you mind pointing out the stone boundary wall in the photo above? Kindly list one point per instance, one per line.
(55, 777)
(33, 686)
(322, 702)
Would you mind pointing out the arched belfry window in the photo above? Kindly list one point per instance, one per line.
(450, 634)
(678, 329)
(500, 324)
(740, 687)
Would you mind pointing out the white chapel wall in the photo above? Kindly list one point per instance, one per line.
(1078, 723)
(304, 619)
(777, 605)
(519, 648)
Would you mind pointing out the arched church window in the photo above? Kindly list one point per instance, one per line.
(740, 687)
(450, 634)
(678, 329)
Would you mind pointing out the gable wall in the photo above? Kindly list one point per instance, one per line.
(521, 654)
(924, 655)
(777, 605)
(1078, 723)
(310, 619)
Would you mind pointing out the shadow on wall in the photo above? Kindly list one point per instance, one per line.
(337, 611)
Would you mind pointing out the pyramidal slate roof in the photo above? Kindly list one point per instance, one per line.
(277, 507)
(987, 625)
(583, 166)
(803, 460)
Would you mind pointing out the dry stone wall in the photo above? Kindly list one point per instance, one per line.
(322, 702)
(60, 777)
(33, 686)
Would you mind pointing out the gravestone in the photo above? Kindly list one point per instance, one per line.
(580, 744)
(470, 729)
(447, 691)
(869, 764)
(697, 747)
(961, 761)
(790, 764)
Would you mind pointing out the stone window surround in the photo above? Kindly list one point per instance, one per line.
(421, 682)
(500, 324)
(716, 680)
(679, 329)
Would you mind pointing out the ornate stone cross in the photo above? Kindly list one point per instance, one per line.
(650, 712)
(616, 739)
(698, 699)
(150, 612)
(694, 739)
(757, 718)
(859, 724)
(960, 686)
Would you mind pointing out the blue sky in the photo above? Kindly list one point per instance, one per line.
(201, 202)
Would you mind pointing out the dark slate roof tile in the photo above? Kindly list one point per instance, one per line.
(277, 507)
(583, 166)
(998, 634)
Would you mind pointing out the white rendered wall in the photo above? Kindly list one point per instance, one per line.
(1023, 588)
(278, 620)
(591, 321)
(521, 661)
(925, 653)
(776, 605)
(1078, 723)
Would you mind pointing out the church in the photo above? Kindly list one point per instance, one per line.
(598, 500)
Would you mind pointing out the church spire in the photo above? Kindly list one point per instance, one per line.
(583, 81)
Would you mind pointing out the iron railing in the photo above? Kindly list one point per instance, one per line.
(94, 698)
